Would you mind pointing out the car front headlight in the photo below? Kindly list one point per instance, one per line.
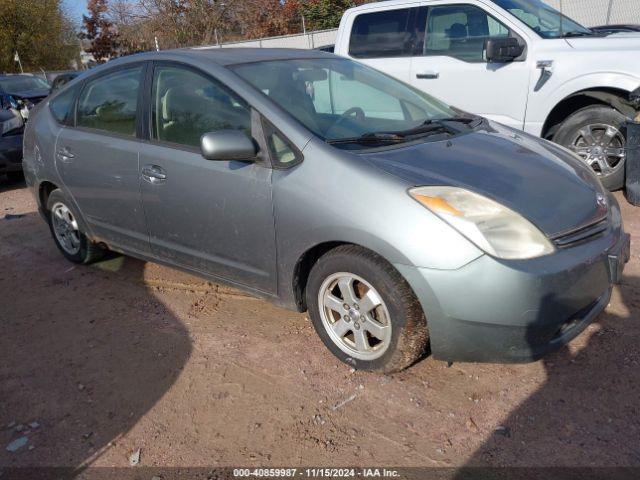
(494, 228)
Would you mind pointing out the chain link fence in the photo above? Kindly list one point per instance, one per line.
(591, 13)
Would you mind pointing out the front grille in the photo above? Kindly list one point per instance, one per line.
(581, 235)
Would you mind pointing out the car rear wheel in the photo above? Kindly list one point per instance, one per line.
(365, 312)
(73, 244)
(597, 135)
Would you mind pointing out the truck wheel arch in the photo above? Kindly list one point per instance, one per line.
(616, 98)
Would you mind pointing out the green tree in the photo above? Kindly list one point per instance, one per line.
(325, 14)
(41, 33)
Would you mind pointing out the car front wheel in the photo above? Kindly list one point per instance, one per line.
(73, 244)
(597, 134)
(365, 312)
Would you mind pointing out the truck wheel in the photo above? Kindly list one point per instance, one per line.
(364, 311)
(73, 244)
(598, 135)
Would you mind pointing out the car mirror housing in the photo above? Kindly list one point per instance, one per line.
(227, 145)
(502, 50)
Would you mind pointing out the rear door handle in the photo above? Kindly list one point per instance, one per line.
(153, 174)
(65, 155)
(428, 75)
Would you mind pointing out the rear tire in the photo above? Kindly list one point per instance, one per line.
(596, 121)
(73, 244)
(365, 312)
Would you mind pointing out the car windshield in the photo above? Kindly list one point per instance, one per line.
(543, 19)
(339, 99)
(22, 84)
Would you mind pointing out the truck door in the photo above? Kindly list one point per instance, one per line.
(451, 65)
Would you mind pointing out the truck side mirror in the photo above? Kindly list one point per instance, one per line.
(502, 50)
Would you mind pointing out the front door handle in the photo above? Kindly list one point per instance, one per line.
(153, 174)
(428, 75)
(65, 155)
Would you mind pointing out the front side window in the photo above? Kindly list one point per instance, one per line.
(381, 34)
(460, 31)
(110, 102)
(543, 19)
(340, 98)
(187, 104)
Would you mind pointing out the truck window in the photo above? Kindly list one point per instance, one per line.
(460, 31)
(381, 34)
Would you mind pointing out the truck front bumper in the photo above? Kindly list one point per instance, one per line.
(516, 311)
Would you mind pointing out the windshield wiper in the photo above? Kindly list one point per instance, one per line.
(435, 125)
(369, 138)
(428, 127)
(577, 34)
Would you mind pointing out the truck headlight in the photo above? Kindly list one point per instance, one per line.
(494, 228)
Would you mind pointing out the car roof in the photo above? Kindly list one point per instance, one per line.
(228, 56)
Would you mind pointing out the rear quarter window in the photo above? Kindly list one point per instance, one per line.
(381, 34)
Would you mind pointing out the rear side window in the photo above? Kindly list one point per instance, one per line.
(62, 106)
(381, 34)
(110, 103)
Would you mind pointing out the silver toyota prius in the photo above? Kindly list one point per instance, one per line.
(403, 225)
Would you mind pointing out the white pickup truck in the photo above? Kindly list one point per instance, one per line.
(519, 62)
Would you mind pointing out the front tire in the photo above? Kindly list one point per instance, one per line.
(598, 135)
(365, 312)
(73, 244)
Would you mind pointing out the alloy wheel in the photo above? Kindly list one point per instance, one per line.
(65, 228)
(355, 316)
(601, 146)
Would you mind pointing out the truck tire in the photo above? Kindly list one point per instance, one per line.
(598, 135)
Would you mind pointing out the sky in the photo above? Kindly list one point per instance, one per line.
(76, 8)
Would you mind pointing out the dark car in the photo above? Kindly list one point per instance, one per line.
(609, 29)
(62, 79)
(18, 94)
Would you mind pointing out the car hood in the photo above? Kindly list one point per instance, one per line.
(30, 94)
(549, 186)
(614, 42)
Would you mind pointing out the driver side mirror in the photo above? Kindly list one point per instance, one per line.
(502, 50)
(227, 145)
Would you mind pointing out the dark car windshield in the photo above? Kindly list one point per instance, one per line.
(339, 99)
(543, 19)
(16, 84)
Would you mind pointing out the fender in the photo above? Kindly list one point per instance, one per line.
(543, 102)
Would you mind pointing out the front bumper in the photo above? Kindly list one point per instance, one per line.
(10, 153)
(517, 311)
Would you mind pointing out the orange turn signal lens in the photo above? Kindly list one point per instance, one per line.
(437, 204)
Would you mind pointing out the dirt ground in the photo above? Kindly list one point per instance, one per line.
(125, 355)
